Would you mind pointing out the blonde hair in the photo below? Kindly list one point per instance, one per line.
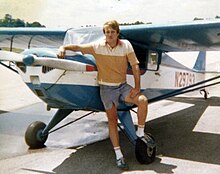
(113, 24)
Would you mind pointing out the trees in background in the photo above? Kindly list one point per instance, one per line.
(8, 21)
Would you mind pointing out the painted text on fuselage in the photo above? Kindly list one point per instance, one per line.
(183, 79)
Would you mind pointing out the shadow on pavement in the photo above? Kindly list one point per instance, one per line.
(99, 158)
(175, 138)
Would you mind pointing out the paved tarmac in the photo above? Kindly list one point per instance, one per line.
(186, 129)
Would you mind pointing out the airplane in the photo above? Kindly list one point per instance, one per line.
(70, 84)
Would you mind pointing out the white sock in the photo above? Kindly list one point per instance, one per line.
(118, 153)
(140, 131)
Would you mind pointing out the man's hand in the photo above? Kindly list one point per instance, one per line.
(134, 92)
(61, 52)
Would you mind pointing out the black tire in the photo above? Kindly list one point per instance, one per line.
(145, 153)
(33, 135)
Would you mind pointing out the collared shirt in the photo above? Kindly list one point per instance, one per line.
(112, 63)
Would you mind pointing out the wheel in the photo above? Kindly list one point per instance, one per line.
(145, 149)
(33, 135)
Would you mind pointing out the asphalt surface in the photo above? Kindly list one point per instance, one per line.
(186, 129)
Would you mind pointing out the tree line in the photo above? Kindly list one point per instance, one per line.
(9, 21)
(136, 23)
(198, 18)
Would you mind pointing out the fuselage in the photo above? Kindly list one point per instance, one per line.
(80, 90)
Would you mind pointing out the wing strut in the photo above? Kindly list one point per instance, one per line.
(49, 132)
(186, 89)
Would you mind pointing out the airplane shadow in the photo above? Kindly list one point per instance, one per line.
(175, 138)
(99, 158)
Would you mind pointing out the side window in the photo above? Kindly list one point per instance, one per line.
(149, 60)
(154, 59)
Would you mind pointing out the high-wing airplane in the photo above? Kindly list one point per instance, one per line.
(70, 84)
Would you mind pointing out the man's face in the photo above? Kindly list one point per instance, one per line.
(111, 34)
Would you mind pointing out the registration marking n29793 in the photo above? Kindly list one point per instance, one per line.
(183, 79)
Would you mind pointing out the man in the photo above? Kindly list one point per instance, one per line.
(112, 57)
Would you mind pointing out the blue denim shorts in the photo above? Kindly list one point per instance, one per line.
(114, 94)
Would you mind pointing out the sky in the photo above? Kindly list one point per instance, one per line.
(76, 13)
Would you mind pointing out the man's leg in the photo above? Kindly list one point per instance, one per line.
(113, 133)
(142, 104)
(112, 124)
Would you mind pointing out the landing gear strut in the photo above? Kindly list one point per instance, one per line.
(145, 148)
(37, 132)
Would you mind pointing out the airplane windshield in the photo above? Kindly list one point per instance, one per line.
(83, 35)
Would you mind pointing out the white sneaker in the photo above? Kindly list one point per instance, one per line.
(121, 164)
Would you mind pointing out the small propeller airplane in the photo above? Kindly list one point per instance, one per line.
(70, 84)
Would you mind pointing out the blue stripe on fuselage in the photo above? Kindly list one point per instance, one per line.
(69, 96)
(81, 97)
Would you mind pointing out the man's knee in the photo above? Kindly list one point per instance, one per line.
(142, 101)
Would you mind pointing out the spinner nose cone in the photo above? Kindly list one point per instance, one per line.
(28, 59)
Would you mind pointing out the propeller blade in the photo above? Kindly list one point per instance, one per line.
(31, 60)
(63, 64)
(10, 56)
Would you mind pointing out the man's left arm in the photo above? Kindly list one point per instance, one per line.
(137, 80)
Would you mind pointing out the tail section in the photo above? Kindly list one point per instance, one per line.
(200, 64)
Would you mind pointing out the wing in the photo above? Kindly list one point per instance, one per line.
(194, 36)
(18, 39)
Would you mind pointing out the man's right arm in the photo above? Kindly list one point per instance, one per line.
(62, 50)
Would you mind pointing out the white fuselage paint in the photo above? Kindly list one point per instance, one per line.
(165, 78)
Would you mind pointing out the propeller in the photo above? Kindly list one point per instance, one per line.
(32, 60)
